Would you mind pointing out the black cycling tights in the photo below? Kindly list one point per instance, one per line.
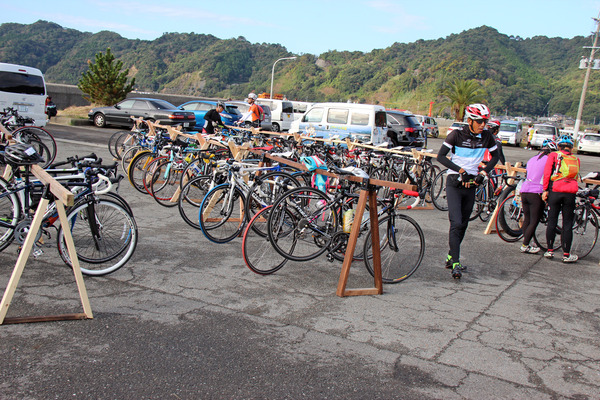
(565, 203)
(533, 209)
(460, 206)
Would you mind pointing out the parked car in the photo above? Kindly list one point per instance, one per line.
(542, 132)
(405, 128)
(455, 125)
(282, 113)
(429, 124)
(589, 143)
(229, 115)
(267, 124)
(156, 110)
(510, 132)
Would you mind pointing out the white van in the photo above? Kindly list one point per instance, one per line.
(364, 122)
(24, 89)
(282, 113)
(300, 108)
(511, 132)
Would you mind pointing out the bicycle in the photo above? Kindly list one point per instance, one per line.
(104, 232)
(226, 208)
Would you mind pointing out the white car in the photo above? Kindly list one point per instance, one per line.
(542, 132)
(454, 126)
(589, 143)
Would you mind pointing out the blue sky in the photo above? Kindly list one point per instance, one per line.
(313, 26)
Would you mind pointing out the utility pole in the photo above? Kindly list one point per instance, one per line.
(586, 79)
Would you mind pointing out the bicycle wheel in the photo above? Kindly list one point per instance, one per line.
(128, 156)
(112, 142)
(510, 219)
(10, 214)
(402, 247)
(104, 233)
(539, 236)
(258, 252)
(480, 201)
(221, 213)
(123, 143)
(191, 198)
(165, 183)
(266, 189)
(26, 133)
(148, 172)
(585, 231)
(137, 167)
(438, 191)
(301, 224)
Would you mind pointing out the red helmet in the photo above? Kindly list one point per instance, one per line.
(493, 123)
(477, 111)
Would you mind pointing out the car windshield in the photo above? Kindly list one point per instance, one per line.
(592, 138)
(233, 110)
(508, 127)
(546, 130)
(163, 105)
(412, 119)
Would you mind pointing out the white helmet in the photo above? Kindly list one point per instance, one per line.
(252, 96)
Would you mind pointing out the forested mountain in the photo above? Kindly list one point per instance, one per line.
(533, 76)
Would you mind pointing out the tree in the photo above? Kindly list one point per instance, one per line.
(104, 83)
(460, 94)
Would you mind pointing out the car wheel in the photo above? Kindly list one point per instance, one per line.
(436, 133)
(99, 120)
(276, 128)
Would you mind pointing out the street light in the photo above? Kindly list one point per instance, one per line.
(273, 71)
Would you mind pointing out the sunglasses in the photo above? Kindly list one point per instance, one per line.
(480, 121)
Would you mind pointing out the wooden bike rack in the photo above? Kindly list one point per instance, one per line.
(367, 195)
(62, 197)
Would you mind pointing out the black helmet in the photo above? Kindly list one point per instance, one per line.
(22, 154)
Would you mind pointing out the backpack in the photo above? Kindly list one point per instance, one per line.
(261, 113)
(567, 167)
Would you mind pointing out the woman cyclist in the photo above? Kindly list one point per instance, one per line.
(531, 195)
(560, 188)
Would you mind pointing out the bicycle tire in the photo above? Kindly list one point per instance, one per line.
(480, 199)
(402, 247)
(166, 183)
(509, 211)
(10, 213)
(40, 134)
(221, 214)
(266, 189)
(110, 247)
(148, 173)
(191, 198)
(112, 143)
(136, 168)
(124, 143)
(585, 231)
(258, 252)
(301, 224)
(438, 191)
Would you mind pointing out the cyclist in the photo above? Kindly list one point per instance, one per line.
(560, 187)
(494, 126)
(531, 195)
(467, 146)
(213, 118)
(255, 112)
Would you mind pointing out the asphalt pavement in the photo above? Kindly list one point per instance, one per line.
(185, 319)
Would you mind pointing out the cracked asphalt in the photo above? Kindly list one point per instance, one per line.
(185, 319)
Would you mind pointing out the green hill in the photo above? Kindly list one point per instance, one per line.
(533, 76)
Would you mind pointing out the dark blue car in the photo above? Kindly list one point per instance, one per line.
(199, 107)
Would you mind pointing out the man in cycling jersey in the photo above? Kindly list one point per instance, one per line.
(467, 147)
(254, 112)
